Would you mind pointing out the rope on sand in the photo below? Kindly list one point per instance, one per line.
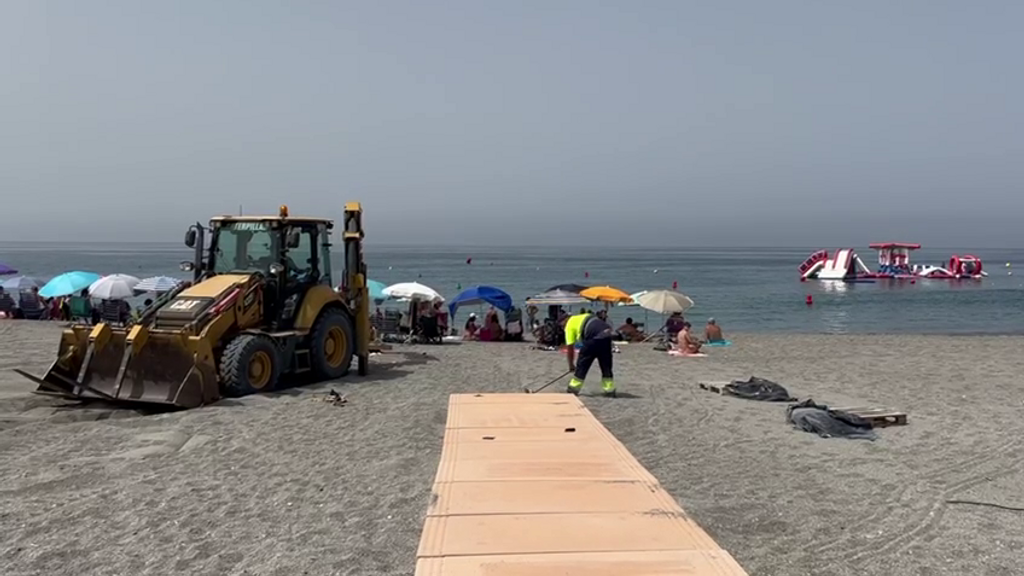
(989, 504)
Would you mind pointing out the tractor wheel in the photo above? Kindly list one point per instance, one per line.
(331, 345)
(250, 364)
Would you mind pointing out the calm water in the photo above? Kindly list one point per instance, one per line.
(750, 290)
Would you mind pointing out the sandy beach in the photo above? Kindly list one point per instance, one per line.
(285, 484)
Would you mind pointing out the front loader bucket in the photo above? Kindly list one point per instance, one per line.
(114, 364)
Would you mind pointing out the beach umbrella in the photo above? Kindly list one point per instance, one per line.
(158, 284)
(6, 270)
(605, 294)
(556, 298)
(665, 301)
(632, 299)
(574, 288)
(114, 287)
(479, 295)
(376, 290)
(412, 291)
(22, 283)
(68, 283)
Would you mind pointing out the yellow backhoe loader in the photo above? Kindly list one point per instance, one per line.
(261, 306)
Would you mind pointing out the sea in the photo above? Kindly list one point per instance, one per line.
(744, 289)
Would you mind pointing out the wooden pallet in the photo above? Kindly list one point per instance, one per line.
(879, 417)
(716, 387)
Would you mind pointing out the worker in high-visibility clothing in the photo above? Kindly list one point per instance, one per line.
(592, 336)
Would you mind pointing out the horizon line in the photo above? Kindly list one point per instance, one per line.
(476, 245)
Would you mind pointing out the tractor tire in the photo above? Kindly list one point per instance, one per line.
(250, 364)
(331, 345)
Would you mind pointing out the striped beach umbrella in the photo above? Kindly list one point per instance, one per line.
(158, 284)
(556, 298)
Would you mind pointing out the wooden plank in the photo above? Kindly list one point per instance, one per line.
(540, 497)
(579, 431)
(666, 562)
(481, 534)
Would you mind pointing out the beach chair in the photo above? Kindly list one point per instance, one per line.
(31, 307)
(551, 334)
(428, 331)
(113, 312)
(7, 306)
(81, 309)
(390, 323)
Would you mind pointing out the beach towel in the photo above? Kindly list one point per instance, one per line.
(718, 343)
(828, 423)
(756, 388)
(685, 355)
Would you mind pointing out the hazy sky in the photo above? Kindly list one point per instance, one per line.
(808, 123)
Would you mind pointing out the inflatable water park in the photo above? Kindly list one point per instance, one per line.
(893, 264)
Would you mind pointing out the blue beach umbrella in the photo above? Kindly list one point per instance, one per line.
(6, 270)
(21, 283)
(479, 295)
(376, 290)
(68, 283)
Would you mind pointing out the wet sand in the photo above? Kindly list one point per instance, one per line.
(285, 484)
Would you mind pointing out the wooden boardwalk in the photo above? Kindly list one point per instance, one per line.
(533, 484)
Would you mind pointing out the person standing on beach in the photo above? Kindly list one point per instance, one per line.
(593, 336)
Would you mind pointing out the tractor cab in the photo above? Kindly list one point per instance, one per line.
(289, 254)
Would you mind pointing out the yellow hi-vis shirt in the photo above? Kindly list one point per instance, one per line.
(574, 328)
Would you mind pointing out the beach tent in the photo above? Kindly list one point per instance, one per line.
(556, 298)
(6, 270)
(68, 283)
(480, 295)
(22, 283)
(574, 288)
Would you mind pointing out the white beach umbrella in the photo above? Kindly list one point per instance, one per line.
(665, 301)
(158, 284)
(114, 287)
(633, 299)
(412, 291)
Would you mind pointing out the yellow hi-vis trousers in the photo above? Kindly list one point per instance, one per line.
(600, 350)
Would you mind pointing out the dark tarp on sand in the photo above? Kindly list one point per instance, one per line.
(828, 423)
(757, 389)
